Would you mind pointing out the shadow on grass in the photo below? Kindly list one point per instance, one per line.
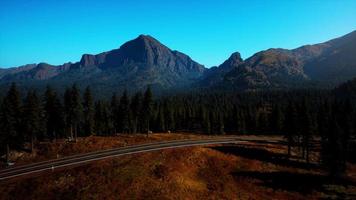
(302, 183)
(289, 181)
(264, 155)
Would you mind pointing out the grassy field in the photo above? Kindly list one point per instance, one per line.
(256, 170)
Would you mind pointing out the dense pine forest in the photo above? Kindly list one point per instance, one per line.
(301, 116)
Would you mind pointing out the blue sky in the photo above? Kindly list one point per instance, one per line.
(33, 31)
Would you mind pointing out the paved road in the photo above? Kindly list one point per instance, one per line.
(51, 165)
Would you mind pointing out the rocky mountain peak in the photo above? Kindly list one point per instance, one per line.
(234, 60)
(144, 49)
(235, 57)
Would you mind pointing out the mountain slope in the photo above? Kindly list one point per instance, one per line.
(135, 65)
(322, 65)
(337, 61)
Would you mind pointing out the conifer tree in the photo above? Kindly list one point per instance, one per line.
(241, 123)
(160, 120)
(68, 111)
(212, 122)
(88, 111)
(135, 106)
(206, 121)
(168, 116)
(307, 129)
(115, 113)
(53, 112)
(32, 118)
(262, 122)
(10, 120)
(77, 110)
(333, 157)
(277, 119)
(323, 127)
(146, 111)
(103, 123)
(99, 125)
(290, 126)
(221, 125)
(124, 112)
(73, 109)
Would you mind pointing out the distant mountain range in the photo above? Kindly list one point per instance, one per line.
(145, 61)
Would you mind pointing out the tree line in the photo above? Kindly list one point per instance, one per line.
(298, 115)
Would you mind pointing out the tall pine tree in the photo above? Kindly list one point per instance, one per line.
(135, 106)
(124, 113)
(73, 110)
(290, 126)
(32, 118)
(146, 111)
(10, 120)
(53, 111)
(115, 112)
(88, 111)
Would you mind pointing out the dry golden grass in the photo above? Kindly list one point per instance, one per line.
(251, 171)
(62, 148)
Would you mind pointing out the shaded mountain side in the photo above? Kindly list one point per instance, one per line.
(322, 65)
(135, 65)
(337, 63)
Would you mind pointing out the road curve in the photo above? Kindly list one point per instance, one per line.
(51, 165)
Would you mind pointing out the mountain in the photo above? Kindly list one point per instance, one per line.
(135, 65)
(144, 62)
(322, 65)
(215, 75)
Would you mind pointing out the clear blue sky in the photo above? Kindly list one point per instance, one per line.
(33, 31)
